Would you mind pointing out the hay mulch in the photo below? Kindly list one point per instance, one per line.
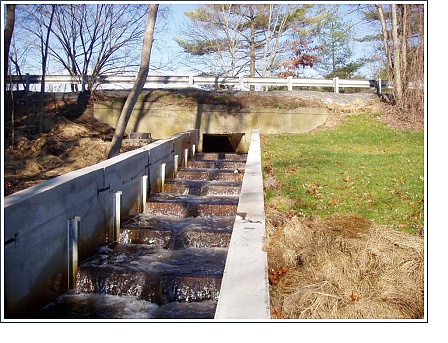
(66, 147)
(344, 267)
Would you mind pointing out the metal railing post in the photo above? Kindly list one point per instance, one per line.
(336, 84)
(241, 82)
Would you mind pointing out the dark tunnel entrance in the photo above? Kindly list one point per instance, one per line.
(228, 142)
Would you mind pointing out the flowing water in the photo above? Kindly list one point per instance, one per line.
(169, 260)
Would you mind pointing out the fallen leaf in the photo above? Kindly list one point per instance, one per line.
(275, 275)
(354, 297)
(276, 313)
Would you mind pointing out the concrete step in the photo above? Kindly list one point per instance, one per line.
(170, 259)
(200, 187)
(87, 306)
(220, 156)
(210, 174)
(191, 205)
(219, 164)
(170, 232)
(152, 274)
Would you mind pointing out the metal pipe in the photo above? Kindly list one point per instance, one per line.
(185, 158)
(72, 249)
(176, 164)
(117, 215)
(144, 191)
(162, 172)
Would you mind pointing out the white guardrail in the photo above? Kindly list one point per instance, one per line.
(243, 82)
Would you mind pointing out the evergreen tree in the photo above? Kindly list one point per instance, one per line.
(334, 36)
(236, 39)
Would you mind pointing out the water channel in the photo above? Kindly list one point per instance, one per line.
(168, 261)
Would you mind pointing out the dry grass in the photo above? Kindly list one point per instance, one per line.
(344, 267)
(67, 146)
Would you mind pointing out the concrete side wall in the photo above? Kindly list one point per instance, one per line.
(162, 121)
(244, 290)
(36, 220)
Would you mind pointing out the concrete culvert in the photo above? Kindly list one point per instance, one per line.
(228, 142)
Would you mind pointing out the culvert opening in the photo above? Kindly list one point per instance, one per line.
(227, 142)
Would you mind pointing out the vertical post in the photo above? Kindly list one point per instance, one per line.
(190, 81)
(241, 81)
(193, 151)
(379, 90)
(117, 215)
(27, 83)
(72, 249)
(289, 82)
(162, 174)
(185, 158)
(144, 190)
(336, 84)
(176, 164)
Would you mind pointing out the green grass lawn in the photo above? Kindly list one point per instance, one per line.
(361, 167)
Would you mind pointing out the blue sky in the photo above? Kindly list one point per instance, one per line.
(166, 46)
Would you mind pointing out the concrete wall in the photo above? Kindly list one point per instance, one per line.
(165, 120)
(244, 290)
(36, 219)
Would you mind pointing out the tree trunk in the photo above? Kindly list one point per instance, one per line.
(252, 46)
(44, 67)
(138, 85)
(397, 60)
(385, 39)
(404, 48)
(9, 29)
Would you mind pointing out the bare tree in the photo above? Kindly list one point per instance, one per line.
(96, 39)
(402, 33)
(278, 19)
(139, 83)
(44, 43)
(212, 39)
(398, 86)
